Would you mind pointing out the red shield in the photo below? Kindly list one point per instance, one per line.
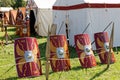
(27, 57)
(19, 20)
(6, 18)
(25, 29)
(102, 46)
(12, 17)
(59, 54)
(83, 48)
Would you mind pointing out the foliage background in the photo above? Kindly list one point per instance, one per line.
(12, 3)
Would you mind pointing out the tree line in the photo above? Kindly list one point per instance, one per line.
(12, 3)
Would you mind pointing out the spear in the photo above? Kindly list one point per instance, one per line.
(50, 32)
(47, 57)
(104, 30)
(110, 46)
(86, 28)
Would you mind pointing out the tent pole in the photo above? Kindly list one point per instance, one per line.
(66, 25)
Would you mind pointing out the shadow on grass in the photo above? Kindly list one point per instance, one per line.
(72, 52)
(98, 74)
(77, 68)
(42, 48)
(9, 37)
(11, 29)
(73, 68)
(100, 64)
(7, 70)
(12, 78)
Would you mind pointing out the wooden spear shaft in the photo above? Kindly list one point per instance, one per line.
(50, 32)
(110, 46)
(47, 55)
(104, 30)
(47, 59)
(86, 28)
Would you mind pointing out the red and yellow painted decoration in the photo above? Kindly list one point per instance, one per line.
(102, 46)
(59, 53)
(27, 57)
(83, 48)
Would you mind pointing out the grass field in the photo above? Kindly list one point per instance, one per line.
(99, 72)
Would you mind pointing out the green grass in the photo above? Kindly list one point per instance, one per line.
(99, 72)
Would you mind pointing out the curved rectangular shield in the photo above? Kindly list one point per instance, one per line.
(84, 51)
(25, 29)
(102, 46)
(59, 53)
(27, 57)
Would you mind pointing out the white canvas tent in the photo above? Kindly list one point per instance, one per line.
(43, 12)
(5, 9)
(79, 13)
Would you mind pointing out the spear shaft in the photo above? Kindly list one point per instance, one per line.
(104, 30)
(110, 46)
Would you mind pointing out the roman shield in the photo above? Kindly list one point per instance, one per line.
(84, 51)
(59, 54)
(27, 57)
(19, 21)
(25, 29)
(102, 46)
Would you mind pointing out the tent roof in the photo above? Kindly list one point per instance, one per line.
(41, 3)
(44, 3)
(74, 2)
(103, 1)
(79, 4)
(5, 9)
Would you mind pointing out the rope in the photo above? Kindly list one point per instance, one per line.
(49, 59)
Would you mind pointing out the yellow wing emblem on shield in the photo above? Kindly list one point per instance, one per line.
(101, 44)
(20, 52)
(34, 52)
(81, 47)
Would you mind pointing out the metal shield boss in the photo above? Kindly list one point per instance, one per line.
(102, 47)
(24, 30)
(59, 54)
(27, 57)
(84, 51)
